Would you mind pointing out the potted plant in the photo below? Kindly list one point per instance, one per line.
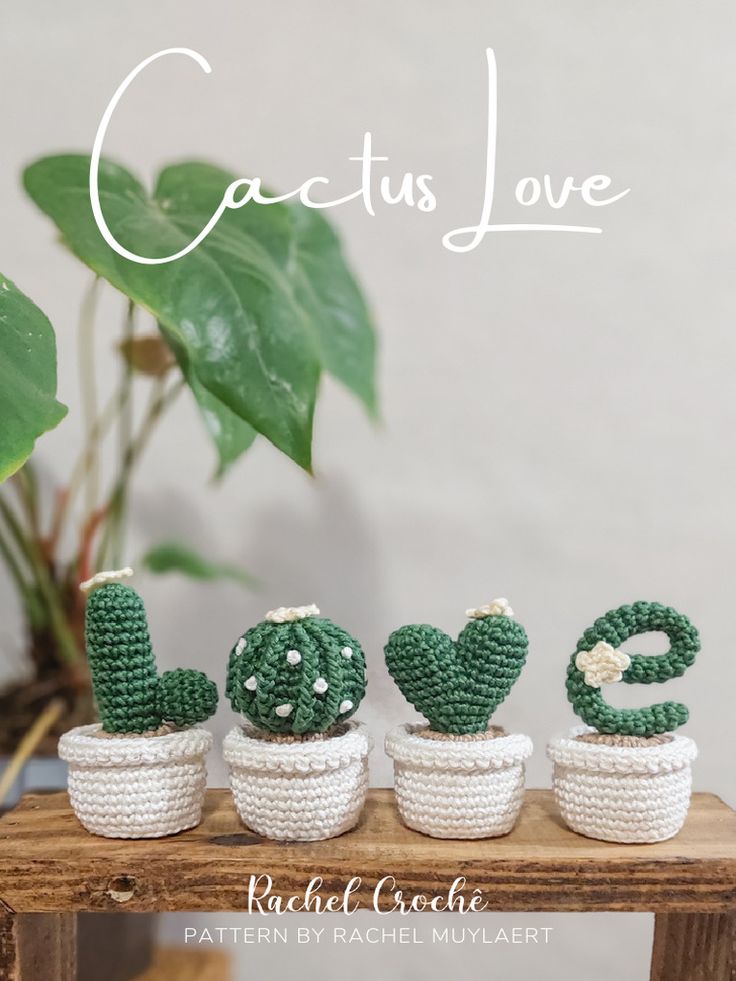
(140, 773)
(282, 320)
(625, 775)
(299, 765)
(458, 777)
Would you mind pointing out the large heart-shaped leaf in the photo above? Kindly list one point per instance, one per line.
(457, 685)
(28, 405)
(259, 308)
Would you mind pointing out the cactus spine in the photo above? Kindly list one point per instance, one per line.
(296, 672)
(458, 685)
(131, 696)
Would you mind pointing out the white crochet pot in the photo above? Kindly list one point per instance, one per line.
(136, 786)
(304, 790)
(458, 788)
(622, 793)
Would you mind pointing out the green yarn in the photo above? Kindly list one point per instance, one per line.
(185, 697)
(131, 697)
(614, 628)
(458, 685)
(263, 657)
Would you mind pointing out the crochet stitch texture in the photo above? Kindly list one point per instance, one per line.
(131, 696)
(458, 788)
(299, 790)
(614, 628)
(622, 793)
(137, 787)
(297, 676)
(458, 685)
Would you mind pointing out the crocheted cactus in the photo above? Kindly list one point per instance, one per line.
(296, 672)
(131, 696)
(458, 685)
(597, 661)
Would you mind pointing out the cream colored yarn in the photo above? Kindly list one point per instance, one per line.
(136, 786)
(622, 793)
(458, 788)
(304, 790)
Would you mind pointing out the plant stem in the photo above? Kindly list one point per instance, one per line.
(28, 597)
(27, 486)
(88, 387)
(82, 466)
(31, 551)
(125, 435)
(161, 398)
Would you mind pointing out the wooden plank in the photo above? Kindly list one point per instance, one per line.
(694, 947)
(176, 964)
(113, 947)
(48, 863)
(38, 947)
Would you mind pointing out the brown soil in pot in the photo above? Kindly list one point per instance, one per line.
(165, 730)
(492, 732)
(614, 739)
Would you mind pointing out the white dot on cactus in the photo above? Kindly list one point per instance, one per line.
(241, 645)
(283, 710)
(347, 652)
(320, 686)
(345, 706)
(251, 683)
(293, 657)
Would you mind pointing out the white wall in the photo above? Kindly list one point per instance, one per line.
(558, 411)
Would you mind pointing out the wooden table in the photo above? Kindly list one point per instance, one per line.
(50, 866)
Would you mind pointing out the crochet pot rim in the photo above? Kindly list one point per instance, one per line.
(82, 746)
(245, 748)
(661, 757)
(404, 746)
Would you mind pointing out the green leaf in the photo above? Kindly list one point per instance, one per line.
(28, 406)
(304, 247)
(325, 288)
(173, 557)
(230, 434)
(260, 307)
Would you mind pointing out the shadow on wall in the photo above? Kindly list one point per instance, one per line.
(328, 557)
(324, 553)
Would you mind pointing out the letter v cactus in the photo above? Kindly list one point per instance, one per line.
(458, 685)
(131, 696)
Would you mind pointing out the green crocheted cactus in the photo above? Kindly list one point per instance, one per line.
(131, 696)
(458, 685)
(597, 661)
(296, 672)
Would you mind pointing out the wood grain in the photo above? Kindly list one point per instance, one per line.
(694, 947)
(38, 947)
(116, 948)
(48, 863)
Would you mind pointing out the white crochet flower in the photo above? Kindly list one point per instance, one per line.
(103, 578)
(496, 608)
(286, 614)
(603, 665)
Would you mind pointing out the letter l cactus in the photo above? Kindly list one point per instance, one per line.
(131, 696)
